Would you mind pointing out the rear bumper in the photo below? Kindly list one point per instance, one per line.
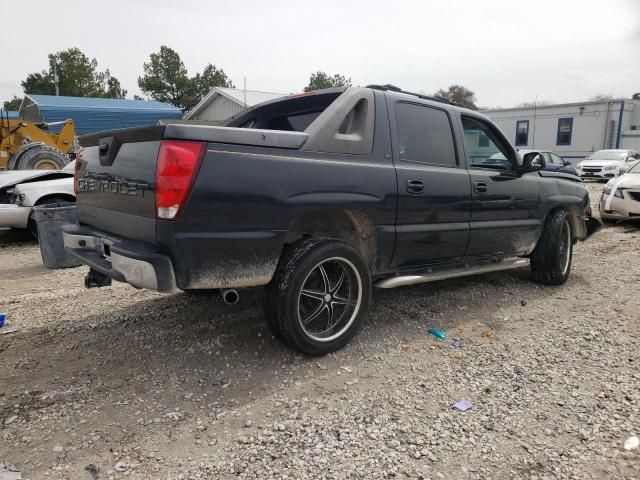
(14, 216)
(137, 265)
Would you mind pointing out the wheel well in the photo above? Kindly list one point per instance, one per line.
(354, 227)
(57, 196)
(574, 219)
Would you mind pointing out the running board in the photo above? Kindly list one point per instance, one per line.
(403, 280)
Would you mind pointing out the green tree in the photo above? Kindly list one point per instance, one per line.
(114, 89)
(166, 79)
(212, 76)
(78, 76)
(460, 95)
(13, 104)
(39, 83)
(320, 80)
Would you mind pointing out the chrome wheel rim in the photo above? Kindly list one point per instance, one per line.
(330, 299)
(565, 247)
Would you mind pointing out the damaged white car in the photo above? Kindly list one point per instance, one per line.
(21, 190)
(621, 196)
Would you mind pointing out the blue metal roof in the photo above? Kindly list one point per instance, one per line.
(9, 113)
(97, 114)
(93, 102)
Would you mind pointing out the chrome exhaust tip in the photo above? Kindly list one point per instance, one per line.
(230, 296)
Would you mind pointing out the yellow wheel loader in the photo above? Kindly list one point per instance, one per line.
(28, 146)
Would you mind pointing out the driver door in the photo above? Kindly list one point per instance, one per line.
(505, 216)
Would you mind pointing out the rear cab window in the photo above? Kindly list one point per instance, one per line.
(425, 135)
(293, 114)
(337, 120)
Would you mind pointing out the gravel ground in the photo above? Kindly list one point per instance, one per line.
(142, 385)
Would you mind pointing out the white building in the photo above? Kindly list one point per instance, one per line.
(221, 103)
(573, 130)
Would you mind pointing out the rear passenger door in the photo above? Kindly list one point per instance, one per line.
(434, 192)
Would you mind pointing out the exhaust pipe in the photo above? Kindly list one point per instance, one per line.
(230, 296)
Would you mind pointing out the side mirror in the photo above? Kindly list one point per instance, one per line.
(567, 163)
(532, 162)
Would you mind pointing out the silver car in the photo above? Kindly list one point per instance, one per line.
(21, 190)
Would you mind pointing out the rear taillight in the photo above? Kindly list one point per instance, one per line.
(178, 162)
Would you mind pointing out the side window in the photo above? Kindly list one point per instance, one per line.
(493, 154)
(555, 159)
(565, 128)
(424, 135)
(522, 133)
(483, 140)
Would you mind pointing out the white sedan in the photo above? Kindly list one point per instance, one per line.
(21, 190)
(621, 196)
(605, 164)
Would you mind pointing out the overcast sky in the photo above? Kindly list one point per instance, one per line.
(506, 51)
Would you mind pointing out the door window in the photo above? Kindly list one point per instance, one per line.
(424, 135)
(556, 160)
(493, 154)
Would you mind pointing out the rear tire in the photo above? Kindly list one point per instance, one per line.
(551, 259)
(43, 158)
(318, 296)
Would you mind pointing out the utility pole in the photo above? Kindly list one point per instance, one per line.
(535, 108)
(245, 92)
(55, 78)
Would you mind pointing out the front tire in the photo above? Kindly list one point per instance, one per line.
(318, 296)
(551, 259)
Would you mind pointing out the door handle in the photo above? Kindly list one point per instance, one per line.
(479, 187)
(415, 186)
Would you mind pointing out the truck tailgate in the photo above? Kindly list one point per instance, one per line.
(116, 181)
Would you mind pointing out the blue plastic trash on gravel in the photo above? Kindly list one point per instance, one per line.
(439, 334)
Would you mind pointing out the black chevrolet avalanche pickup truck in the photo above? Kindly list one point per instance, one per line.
(318, 197)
